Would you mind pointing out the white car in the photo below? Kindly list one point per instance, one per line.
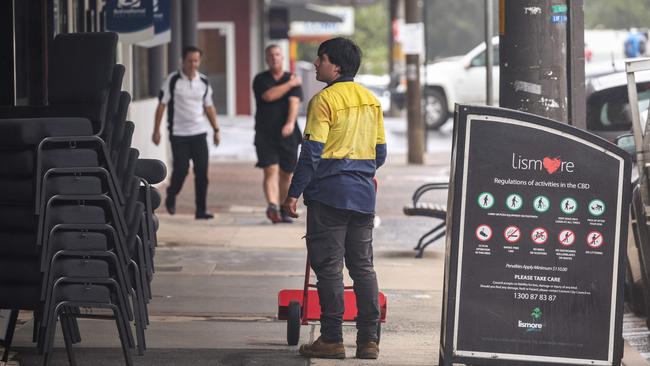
(378, 85)
(459, 79)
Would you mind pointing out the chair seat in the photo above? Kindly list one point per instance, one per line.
(22, 297)
(30, 131)
(17, 191)
(20, 271)
(18, 243)
(426, 209)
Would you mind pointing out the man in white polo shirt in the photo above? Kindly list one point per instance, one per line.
(188, 95)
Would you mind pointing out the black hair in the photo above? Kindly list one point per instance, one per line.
(189, 49)
(342, 52)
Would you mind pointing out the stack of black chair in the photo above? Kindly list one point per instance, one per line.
(77, 222)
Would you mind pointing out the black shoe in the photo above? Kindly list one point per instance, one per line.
(285, 216)
(204, 216)
(170, 204)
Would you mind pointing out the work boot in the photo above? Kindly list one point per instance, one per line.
(322, 349)
(367, 350)
(273, 213)
(170, 204)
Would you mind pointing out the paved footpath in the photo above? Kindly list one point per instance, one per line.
(216, 283)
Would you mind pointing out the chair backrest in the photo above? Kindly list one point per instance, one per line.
(117, 135)
(113, 103)
(80, 74)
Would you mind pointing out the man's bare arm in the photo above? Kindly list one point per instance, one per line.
(157, 121)
(290, 123)
(211, 112)
(279, 91)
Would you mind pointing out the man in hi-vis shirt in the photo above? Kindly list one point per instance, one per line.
(344, 144)
(188, 96)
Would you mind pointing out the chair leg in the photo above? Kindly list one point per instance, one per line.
(436, 228)
(66, 327)
(125, 347)
(11, 327)
(139, 323)
(431, 241)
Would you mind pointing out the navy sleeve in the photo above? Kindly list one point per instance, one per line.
(380, 154)
(296, 92)
(260, 86)
(310, 156)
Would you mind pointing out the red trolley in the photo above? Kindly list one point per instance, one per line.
(300, 307)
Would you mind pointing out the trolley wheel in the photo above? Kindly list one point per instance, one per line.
(378, 332)
(293, 323)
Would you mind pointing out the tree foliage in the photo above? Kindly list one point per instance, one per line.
(453, 27)
(370, 33)
(619, 14)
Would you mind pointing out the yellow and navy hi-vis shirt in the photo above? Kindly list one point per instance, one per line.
(344, 144)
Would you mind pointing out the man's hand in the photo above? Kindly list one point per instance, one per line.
(295, 80)
(289, 206)
(216, 138)
(156, 137)
(287, 129)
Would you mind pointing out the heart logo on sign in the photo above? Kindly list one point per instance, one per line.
(552, 164)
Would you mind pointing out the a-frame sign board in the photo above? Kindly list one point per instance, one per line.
(537, 227)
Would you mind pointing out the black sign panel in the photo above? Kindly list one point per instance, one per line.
(535, 250)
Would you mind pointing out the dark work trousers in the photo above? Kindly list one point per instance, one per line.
(195, 148)
(334, 235)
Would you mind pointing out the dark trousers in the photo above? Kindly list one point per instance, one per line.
(335, 235)
(195, 148)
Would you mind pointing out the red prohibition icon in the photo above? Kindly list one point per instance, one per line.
(483, 232)
(539, 235)
(594, 239)
(566, 237)
(512, 234)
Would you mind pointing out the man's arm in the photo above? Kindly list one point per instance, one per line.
(292, 114)
(316, 132)
(156, 123)
(380, 147)
(211, 112)
(278, 91)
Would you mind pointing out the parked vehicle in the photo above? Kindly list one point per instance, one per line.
(378, 85)
(608, 109)
(459, 79)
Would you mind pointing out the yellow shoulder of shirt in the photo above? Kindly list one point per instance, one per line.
(347, 94)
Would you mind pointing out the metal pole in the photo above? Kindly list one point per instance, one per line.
(489, 52)
(393, 6)
(413, 14)
(174, 47)
(190, 18)
(533, 58)
(156, 73)
(576, 64)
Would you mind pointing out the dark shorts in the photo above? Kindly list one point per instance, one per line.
(277, 150)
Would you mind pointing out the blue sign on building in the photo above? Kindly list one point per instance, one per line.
(131, 19)
(161, 23)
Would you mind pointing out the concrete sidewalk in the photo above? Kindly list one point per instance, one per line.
(216, 282)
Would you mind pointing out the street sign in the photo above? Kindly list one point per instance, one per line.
(132, 20)
(548, 288)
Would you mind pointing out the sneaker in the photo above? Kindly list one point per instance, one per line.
(285, 216)
(322, 349)
(170, 204)
(204, 216)
(368, 350)
(273, 213)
